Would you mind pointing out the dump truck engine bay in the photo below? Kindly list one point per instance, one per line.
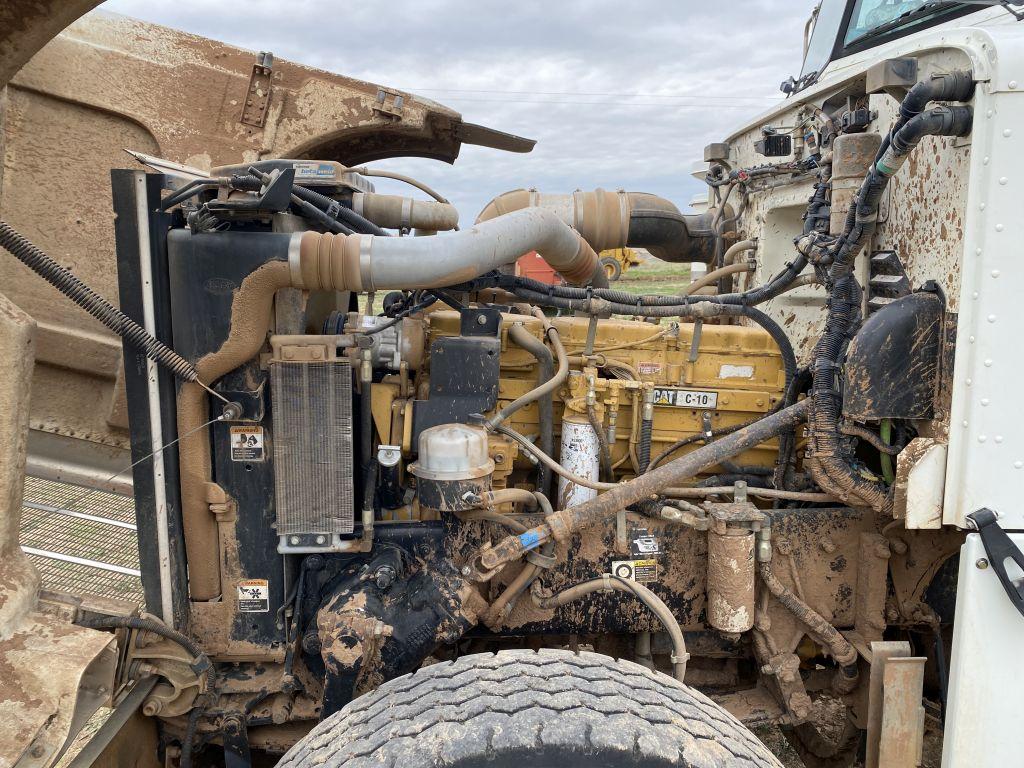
(389, 450)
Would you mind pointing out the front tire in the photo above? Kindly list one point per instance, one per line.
(544, 709)
(612, 268)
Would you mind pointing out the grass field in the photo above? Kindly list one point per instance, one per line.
(654, 276)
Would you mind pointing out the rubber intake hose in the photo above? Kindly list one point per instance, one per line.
(65, 281)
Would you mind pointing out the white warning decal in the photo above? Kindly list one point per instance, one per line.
(247, 443)
(642, 571)
(254, 596)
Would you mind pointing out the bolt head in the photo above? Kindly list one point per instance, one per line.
(981, 564)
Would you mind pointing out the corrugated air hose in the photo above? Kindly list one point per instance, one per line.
(65, 281)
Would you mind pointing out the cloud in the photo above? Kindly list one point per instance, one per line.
(620, 95)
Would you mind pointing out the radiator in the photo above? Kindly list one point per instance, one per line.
(313, 454)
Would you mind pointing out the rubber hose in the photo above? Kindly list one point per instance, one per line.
(192, 726)
(654, 603)
(538, 392)
(150, 625)
(545, 405)
(327, 205)
(65, 281)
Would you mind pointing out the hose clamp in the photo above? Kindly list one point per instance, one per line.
(540, 560)
(295, 260)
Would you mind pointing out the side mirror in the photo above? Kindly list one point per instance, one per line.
(809, 27)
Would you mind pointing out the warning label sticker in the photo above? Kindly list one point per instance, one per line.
(254, 596)
(642, 571)
(643, 543)
(649, 369)
(247, 443)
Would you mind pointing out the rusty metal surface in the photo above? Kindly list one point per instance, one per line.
(108, 83)
(881, 653)
(902, 737)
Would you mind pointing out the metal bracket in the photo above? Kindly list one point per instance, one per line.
(1000, 548)
(389, 103)
(257, 96)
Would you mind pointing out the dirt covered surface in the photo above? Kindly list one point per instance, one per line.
(776, 742)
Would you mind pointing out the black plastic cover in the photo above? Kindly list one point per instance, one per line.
(892, 367)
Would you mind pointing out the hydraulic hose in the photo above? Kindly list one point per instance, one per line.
(502, 607)
(646, 433)
(684, 492)
(655, 604)
(545, 404)
(200, 663)
(65, 281)
(865, 434)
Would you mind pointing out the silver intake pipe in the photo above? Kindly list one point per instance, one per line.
(366, 263)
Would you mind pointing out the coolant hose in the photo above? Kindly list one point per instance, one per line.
(545, 404)
(544, 390)
(65, 281)
(655, 604)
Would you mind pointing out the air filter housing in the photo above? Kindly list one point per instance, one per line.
(313, 453)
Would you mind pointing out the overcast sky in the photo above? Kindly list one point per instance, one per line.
(617, 94)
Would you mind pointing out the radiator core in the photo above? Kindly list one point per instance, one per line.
(313, 453)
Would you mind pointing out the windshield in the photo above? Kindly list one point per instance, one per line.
(869, 15)
(823, 38)
(843, 27)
